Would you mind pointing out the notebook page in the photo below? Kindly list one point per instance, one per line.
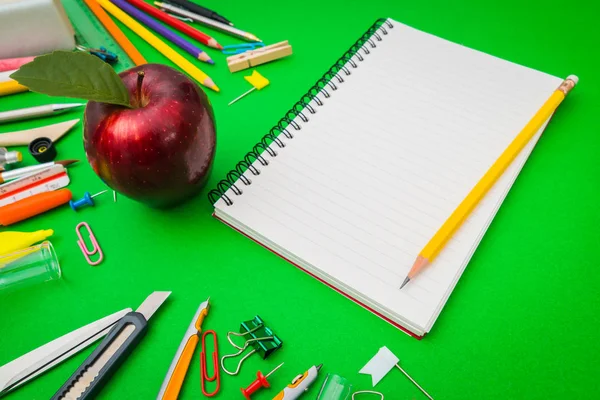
(357, 193)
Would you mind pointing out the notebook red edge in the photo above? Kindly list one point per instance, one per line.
(403, 329)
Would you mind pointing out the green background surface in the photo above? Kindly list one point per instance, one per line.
(523, 321)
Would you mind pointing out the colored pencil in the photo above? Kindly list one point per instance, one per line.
(460, 214)
(116, 33)
(177, 24)
(11, 87)
(161, 30)
(5, 75)
(159, 45)
(198, 9)
(208, 22)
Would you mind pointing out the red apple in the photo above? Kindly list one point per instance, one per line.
(160, 152)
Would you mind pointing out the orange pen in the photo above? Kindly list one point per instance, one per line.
(33, 205)
(176, 374)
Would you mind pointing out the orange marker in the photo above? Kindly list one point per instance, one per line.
(34, 205)
(116, 33)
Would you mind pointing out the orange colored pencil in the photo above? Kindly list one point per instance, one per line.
(116, 33)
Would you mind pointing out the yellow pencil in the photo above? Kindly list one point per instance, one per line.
(159, 45)
(11, 87)
(439, 240)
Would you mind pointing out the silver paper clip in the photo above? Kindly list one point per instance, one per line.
(96, 247)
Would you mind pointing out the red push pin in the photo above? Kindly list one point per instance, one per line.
(261, 381)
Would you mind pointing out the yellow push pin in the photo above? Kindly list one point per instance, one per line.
(256, 80)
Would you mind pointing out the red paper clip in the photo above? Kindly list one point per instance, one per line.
(203, 371)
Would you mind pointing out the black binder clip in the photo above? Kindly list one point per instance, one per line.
(260, 337)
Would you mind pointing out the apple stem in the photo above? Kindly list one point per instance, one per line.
(140, 79)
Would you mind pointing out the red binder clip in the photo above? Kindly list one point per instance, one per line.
(203, 370)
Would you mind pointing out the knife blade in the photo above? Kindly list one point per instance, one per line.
(177, 370)
(37, 361)
(87, 381)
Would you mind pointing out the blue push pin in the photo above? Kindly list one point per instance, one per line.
(87, 200)
(105, 55)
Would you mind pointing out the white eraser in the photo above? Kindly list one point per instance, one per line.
(33, 28)
(574, 78)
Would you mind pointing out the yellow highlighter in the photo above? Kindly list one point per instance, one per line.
(175, 376)
(13, 241)
(11, 87)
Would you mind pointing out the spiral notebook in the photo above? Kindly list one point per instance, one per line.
(365, 168)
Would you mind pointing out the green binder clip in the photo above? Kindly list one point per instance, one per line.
(260, 337)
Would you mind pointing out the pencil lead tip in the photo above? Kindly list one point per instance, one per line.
(406, 280)
(66, 163)
(211, 62)
(204, 57)
(211, 84)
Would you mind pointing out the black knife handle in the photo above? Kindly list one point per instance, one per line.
(96, 370)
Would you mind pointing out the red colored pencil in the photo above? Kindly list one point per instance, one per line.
(175, 23)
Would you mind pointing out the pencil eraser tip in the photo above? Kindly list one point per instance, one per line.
(573, 78)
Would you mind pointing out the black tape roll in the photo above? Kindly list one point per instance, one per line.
(42, 149)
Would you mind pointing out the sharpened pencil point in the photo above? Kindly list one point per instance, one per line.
(214, 44)
(406, 280)
(205, 57)
(209, 83)
(66, 163)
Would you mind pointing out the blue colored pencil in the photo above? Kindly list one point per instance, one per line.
(161, 30)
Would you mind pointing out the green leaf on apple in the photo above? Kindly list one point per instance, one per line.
(73, 74)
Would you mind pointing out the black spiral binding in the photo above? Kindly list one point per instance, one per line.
(321, 86)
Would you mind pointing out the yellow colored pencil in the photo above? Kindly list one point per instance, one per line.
(441, 237)
(159, 45)
(11, 87)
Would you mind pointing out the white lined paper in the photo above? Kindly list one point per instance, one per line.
(367, 181)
